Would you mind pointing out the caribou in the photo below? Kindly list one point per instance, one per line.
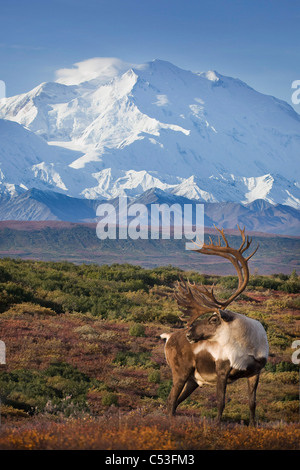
(217, 346)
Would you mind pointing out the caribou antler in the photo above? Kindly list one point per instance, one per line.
(196, 300)
(188, 301)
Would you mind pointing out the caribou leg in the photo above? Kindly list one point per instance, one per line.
(223, 369)
(179, 385)
(174, 394)
(189, 387)
(252, 387)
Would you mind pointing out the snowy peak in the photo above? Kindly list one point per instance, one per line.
(107, 128)
(99, 69)
(211, 75)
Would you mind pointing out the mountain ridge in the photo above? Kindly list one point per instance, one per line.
(260, 215)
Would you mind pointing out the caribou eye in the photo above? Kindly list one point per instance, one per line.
(213, 319)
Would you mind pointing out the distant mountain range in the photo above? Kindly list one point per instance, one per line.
(126, 129)
(259, 216)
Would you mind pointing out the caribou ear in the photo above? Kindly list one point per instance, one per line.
(226, 315)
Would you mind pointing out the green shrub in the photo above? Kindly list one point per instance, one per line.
(229, 282)
(4, 275)
(110, 398)
(28, 308)
(132, 359)
(154, 377)
(164, 389)
(282, 366)
(277, 338)
(59, 388)
(292, 287)
(137, 330)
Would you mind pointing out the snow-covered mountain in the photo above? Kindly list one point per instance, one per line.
(107, 128)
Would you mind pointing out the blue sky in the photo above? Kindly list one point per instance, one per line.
(254, 40)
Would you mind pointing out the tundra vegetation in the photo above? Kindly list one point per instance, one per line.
(86, 367)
